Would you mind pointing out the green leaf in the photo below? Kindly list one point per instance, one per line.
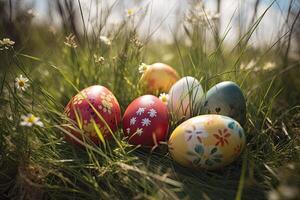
(99, 133)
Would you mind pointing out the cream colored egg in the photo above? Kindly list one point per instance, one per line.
(185, 98)
(207, 142)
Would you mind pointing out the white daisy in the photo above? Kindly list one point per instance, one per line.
(132, 121)
(250, 66)
(140, 111)
(130, 12)
(164, 98)
(31, 13)
(21, 83)
(31, 120)
(142, 68)
(146, 122)
(5, 43)
(99, 59)
(152, 113)
(128, 130)
(211, 16)
(70, 41)
(269, 66)
(105, 40)
(139, 131)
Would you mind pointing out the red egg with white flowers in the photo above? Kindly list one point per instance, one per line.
(146, 121)
(84, 104)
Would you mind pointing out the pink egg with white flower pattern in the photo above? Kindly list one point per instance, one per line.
(95, 105)
(146, 121)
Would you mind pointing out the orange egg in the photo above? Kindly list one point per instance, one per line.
(158, 77)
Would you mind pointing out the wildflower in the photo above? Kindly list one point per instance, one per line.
(5, 43)
(198, 5)
(249, 66)
(31, 120)
(10, 118)
(199, 15)
(215, 16)
(135, 41)
(21, 83)
(70, 41)
(142, 68)
(210, 15)
(98, 59)
(31, 13)
(114, 58)
(130, 12)
(164, 98)
(105, 40)
(269, 66)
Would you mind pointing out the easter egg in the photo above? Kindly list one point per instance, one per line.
(158, 77)
(84, 105)
(146, 121)
(207, 142)
(185, 97)
(226, 98)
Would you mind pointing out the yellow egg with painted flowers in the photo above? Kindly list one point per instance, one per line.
(207, 142)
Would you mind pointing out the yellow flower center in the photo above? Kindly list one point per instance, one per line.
(21, 83)
(164, 99)
(145, 67)
(31, 119)
(130, 11)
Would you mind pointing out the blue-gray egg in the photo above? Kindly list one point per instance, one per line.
(225, 98)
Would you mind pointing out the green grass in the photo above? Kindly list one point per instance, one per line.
(37, 163)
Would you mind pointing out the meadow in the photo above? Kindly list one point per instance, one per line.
(56, 62)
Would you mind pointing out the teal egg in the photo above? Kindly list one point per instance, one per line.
(225, 98)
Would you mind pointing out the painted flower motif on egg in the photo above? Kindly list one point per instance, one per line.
(207, 142)
(226, 98)
(146, 121)
(104, 102)
(185, 97)
(158, 77)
